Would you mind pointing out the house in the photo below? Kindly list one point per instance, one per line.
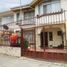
(44, 24)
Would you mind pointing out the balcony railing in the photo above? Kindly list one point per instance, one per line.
(46, 19)
(30, 21)
(52, 18)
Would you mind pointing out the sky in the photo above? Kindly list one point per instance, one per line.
(7, 4)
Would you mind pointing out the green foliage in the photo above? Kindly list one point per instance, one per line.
(19, 42)
(26, 43)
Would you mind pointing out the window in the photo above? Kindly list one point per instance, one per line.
(53, 6)
(18, 16)
(29, 36)
(59, 33)
(28, 15)
(45, 9)
(50, 36)
(7, 19)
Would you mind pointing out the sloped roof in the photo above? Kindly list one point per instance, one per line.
(33, 3)
(6, 13)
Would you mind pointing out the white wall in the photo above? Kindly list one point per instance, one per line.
(57, 40)
(64, 4)
(36, 10)
(20, 17)
(12, 51)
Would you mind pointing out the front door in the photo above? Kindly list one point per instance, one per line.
(44, 39)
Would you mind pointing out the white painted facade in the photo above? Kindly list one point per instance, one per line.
(57, 40)
(42, 20)
(38, 11)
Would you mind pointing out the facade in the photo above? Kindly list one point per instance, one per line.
(43, 22)
(47, 20)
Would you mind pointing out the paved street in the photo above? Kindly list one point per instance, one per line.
(9, 61)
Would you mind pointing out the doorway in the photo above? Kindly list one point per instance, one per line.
(44, 39)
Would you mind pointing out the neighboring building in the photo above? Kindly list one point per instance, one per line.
(44, 23)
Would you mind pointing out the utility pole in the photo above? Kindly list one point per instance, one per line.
(22, 38)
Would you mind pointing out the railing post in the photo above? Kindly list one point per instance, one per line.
(22, 43)
(64, 15)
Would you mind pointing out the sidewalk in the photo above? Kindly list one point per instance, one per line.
(9, 61)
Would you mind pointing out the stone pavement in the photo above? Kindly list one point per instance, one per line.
(9, 61)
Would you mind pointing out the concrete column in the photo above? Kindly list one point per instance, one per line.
(38, 40)
(36, 10)
(22, 15)
(64, 35)
(66, 30)
(15, 18)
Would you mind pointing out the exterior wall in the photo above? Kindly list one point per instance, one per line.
(13, 51)
(50, 18)
(57, 40)
(36, 10)
(64, 4)
(38, 40)
(15, 17)
(66, 33)
(20, 17)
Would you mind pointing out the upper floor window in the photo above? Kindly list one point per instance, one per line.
(18, 16)
(53, 6)
(7, 19)
(28, 15)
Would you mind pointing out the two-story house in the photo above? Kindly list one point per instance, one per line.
(43, 22)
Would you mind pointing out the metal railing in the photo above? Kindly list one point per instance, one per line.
(52, 18)
(45, 19)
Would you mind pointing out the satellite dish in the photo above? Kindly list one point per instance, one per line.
(5, 27)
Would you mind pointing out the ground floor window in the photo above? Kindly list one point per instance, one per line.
(29, 36)
(4, 38)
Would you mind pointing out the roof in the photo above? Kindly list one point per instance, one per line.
(21, 7)
(18, 8)
(6, 13)
(34, 2)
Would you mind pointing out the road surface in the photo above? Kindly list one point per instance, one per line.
(9, 61)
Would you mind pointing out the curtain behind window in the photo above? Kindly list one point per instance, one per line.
(52, 7)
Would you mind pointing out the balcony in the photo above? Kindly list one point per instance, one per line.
(51, 18)
(46, 19)
(30, 21)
